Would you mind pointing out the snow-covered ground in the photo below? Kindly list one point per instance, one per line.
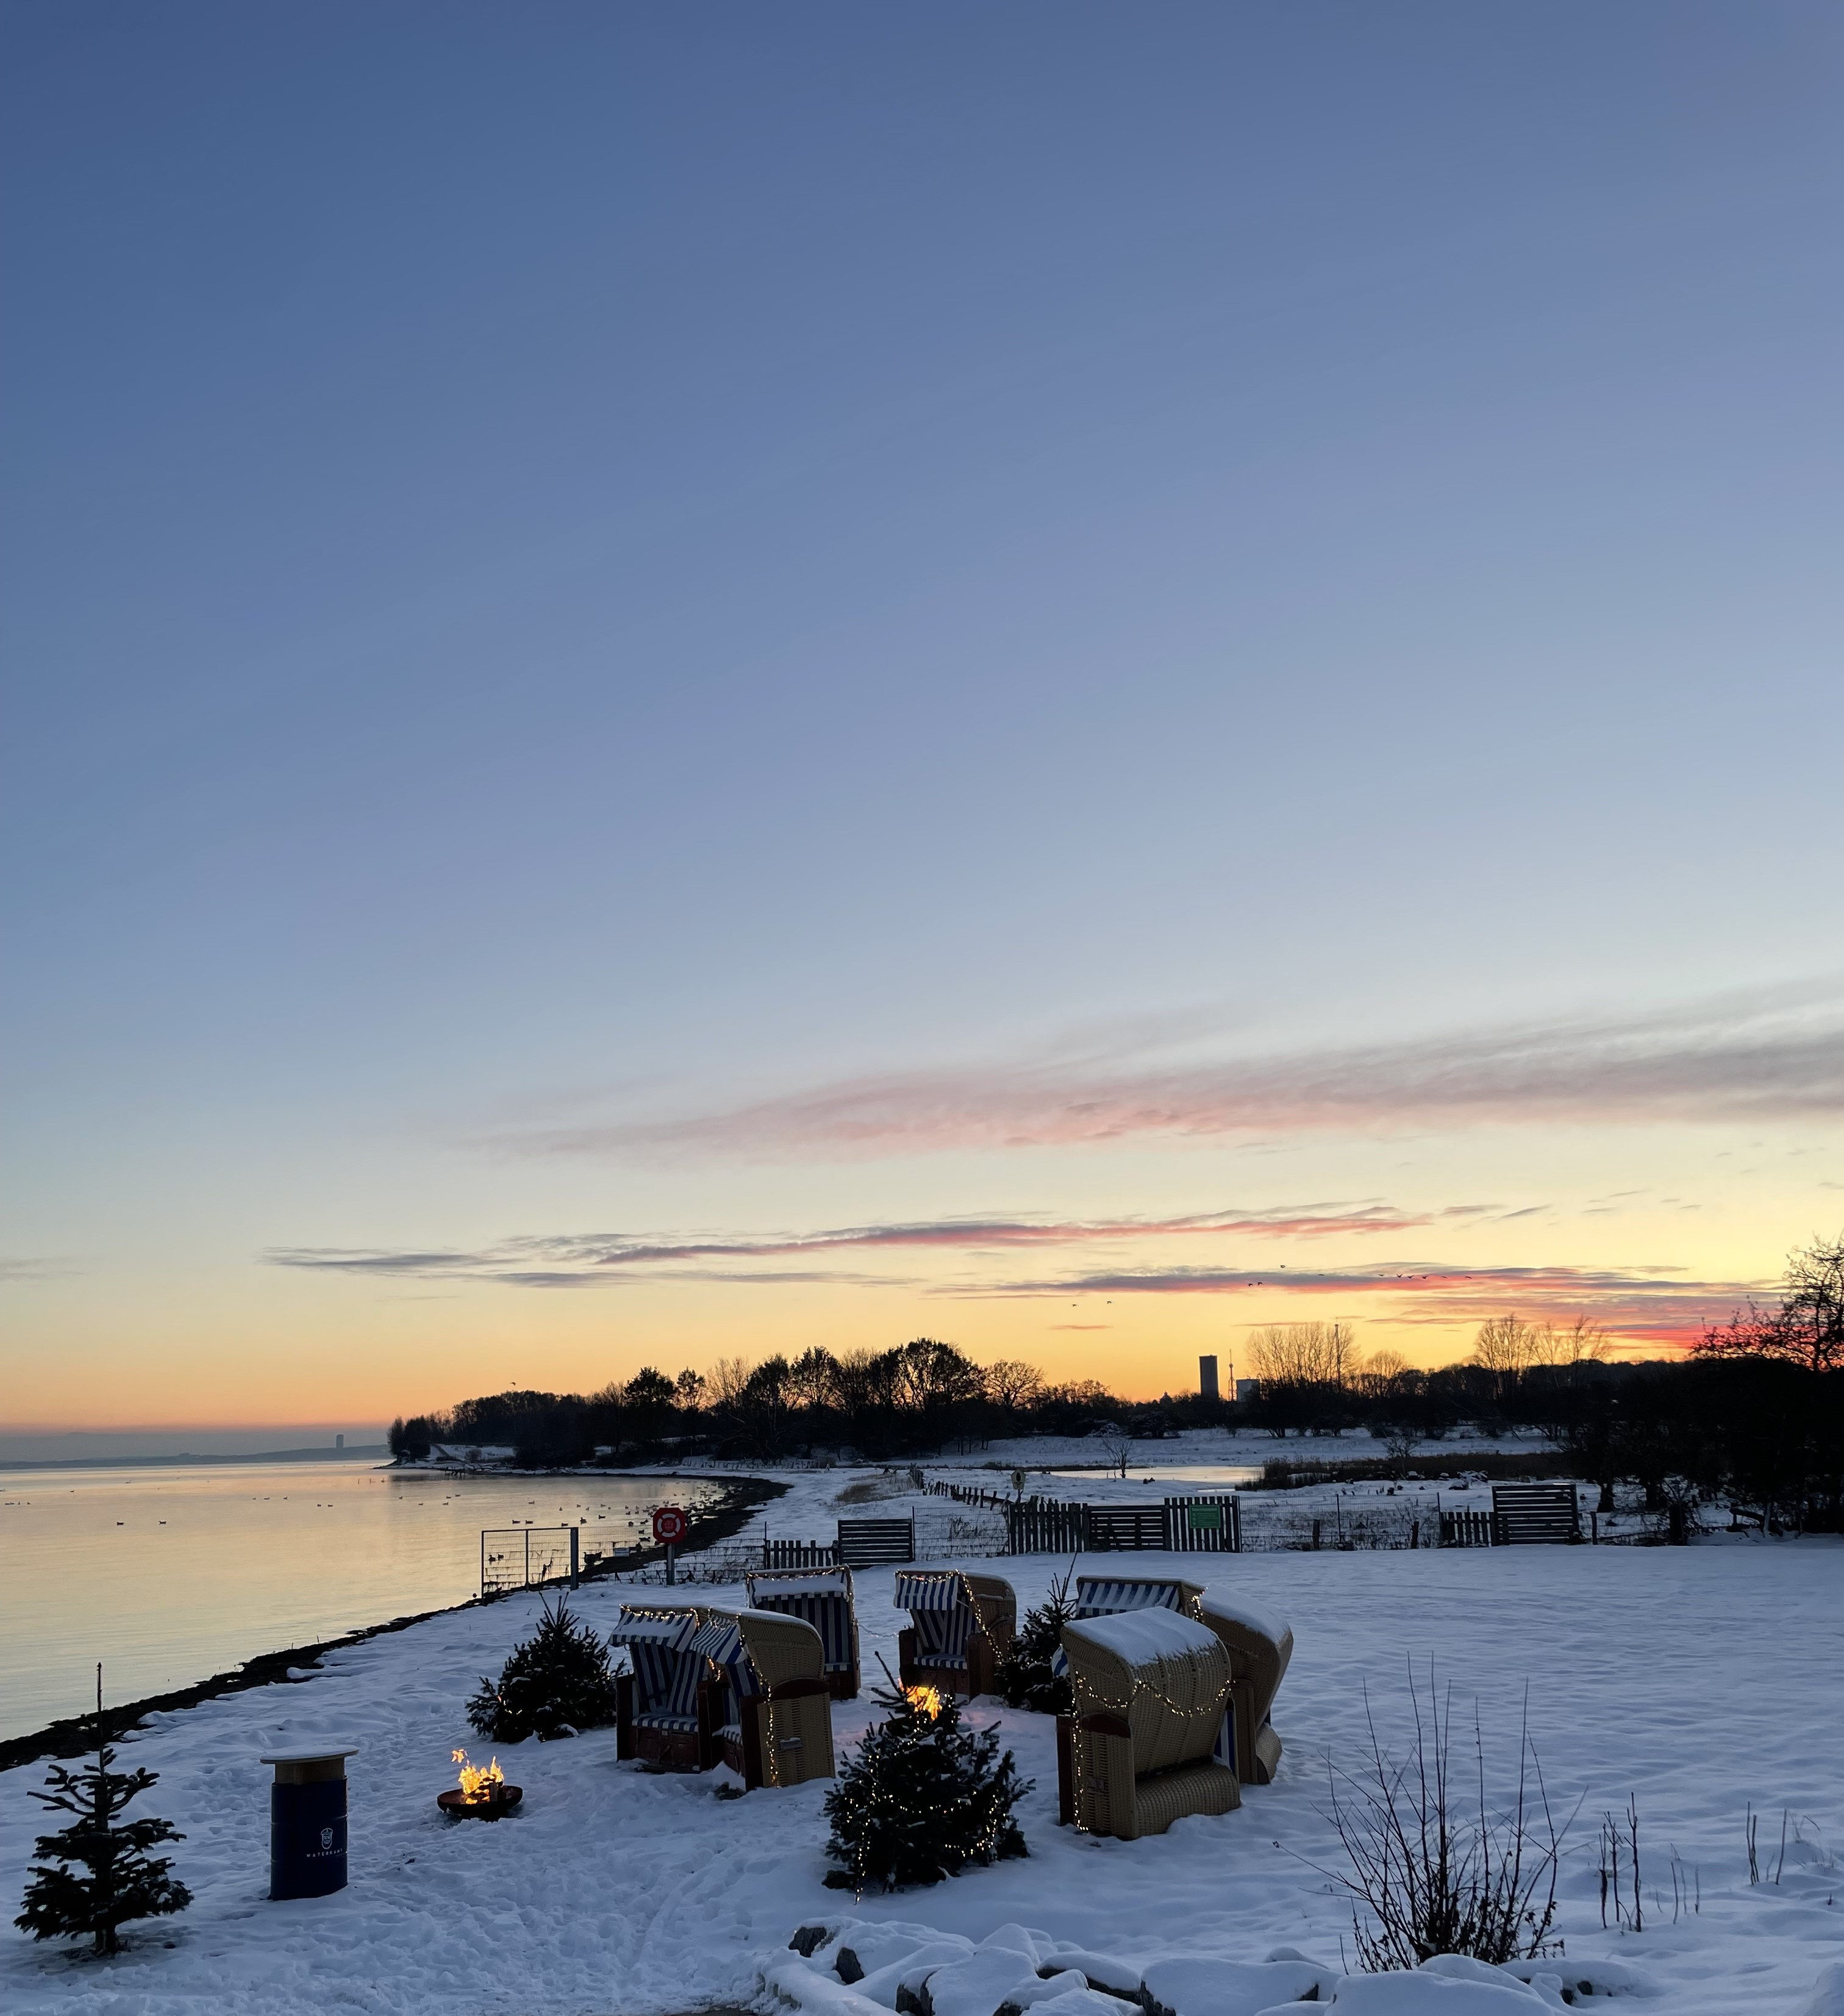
(1703, 1681)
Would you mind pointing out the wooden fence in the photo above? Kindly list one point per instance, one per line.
(1465, 1528)
(797, 1554)
(1044, 1526)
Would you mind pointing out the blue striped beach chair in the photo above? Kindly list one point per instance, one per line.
(1107, 1596)
(823, 1598)
(665, 1713)
(771, 1714)
(959, 1627)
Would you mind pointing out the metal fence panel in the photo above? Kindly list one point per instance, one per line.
(529, 1557)
(870, 1543)
(1534, 1514)
(1114, 1528)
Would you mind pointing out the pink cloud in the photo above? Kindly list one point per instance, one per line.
(1779, 1058)
(1647, 1306)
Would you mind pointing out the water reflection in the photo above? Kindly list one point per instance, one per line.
(170, 1575)
(1184, 1472)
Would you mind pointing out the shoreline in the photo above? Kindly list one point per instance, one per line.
(363, 1453)
(74, 1736)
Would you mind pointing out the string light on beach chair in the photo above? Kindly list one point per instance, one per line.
(1139, 1686)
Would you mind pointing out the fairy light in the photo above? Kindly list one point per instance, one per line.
(923, 1717)
(1141, 1687)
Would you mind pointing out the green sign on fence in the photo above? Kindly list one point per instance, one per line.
(1205, 1518)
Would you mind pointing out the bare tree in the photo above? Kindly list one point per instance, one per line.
(1581, 1342)
(725, 1383)
(1381, 1370)
(1506, 1347)
(1807, 1329)
(813, 1378)
(1303, 1354)
(1012, 1384)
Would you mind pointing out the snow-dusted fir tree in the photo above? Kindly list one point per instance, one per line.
(924, 1798)
(560, 1681)
(95, 1876)
(1026, 1673)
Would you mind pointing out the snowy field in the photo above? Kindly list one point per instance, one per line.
(1701, 1680)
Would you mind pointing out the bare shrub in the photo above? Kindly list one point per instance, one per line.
(1433, 1871)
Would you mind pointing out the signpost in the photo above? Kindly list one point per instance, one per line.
(670, 1526)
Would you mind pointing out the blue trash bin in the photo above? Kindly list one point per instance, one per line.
(308, 1822)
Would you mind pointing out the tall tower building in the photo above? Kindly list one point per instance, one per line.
(1207, 1385)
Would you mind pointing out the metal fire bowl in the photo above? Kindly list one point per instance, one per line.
(458, 1807)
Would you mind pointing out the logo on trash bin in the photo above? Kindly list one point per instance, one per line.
(326, 1839)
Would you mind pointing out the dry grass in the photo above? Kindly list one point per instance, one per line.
(869, 1490)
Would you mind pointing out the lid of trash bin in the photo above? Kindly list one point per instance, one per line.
(312, 1754)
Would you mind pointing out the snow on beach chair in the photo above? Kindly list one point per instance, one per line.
(1150, 1686)
(822, 1597)
(1259, 1646)
(774, 1713)
(959, 1624)
(664, 1714)
(1108, 1596)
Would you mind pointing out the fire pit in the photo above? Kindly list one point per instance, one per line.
(482, 1796)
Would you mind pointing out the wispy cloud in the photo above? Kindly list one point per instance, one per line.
(1758, 1058)
(1657, 1304)
(42, 1268)
(577, 1260)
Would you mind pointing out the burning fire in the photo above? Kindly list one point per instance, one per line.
(927, 1699)
(478, 1788)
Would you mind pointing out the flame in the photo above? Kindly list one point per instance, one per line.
(926, 1699)
(478, 1787)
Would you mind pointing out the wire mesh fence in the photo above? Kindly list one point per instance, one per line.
(528, 1557)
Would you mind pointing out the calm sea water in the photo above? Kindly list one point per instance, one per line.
(1182, 1473)
(170, 1575)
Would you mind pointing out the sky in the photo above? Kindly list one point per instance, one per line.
(679, 682)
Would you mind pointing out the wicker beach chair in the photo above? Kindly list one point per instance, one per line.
(665, 1714)
(822, 1597)
(1150, 1686)
(1107, 1596)
(774, 1712)
(959, 1625)
(1259, 1646)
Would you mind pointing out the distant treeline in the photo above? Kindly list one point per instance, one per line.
(922, 1397)
(1755, 1415)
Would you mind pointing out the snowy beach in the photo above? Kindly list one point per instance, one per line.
(1702, 1681)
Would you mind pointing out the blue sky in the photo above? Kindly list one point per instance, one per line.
(576, 569)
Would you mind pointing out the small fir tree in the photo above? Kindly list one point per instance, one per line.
(93, 1876)
(560, 1681)
(924, 1798)
(1025, 1674)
